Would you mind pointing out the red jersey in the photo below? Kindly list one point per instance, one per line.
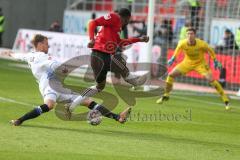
(108, 37)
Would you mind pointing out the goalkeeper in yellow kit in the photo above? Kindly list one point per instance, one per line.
(194, 50)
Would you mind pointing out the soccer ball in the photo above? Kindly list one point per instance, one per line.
(94, 117)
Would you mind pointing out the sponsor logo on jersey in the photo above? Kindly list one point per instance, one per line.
(107, 17)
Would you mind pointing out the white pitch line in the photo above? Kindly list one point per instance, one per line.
(178, 97)
(14, 101)
(202, 101)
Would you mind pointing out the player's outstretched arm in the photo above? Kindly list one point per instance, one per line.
(17, 56)
(175, 54)
(6, 53)
(211, 52)
(129, 41)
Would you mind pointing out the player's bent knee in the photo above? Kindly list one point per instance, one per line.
(86, 102)
(51, 107)
(100, 86)
(50, 104)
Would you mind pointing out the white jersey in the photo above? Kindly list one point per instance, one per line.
(43, 68)
(41, 64)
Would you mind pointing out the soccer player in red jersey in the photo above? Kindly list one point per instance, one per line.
(106, 44)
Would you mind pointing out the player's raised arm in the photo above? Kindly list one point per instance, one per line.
(210, 51)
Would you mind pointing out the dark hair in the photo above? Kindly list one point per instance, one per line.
(124, 12)
(37, 39)
(191, 29)
(93, 15)
(228, 31)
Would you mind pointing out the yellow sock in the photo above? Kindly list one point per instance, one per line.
(169, 86)
(220, 90)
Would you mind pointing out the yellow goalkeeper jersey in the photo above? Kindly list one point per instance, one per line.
(194, 54)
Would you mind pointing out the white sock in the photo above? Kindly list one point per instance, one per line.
(76, 102)
(89, 92)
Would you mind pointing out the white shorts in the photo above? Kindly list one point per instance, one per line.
(58, 94)
(50, 94)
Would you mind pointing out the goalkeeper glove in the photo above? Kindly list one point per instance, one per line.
(217, 64)
(171, 60)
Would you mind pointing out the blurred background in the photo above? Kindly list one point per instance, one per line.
(216, 21)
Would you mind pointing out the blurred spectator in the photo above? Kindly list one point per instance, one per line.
(55, 27)
(238, 37)
(140, 31)
(93, 16)
(194, 7)
(228, 41)
(135, 56)
(163, 37)
(2, 18)
(164, 33)
(130, 2)
(222, 77)
(156, 58)
(183, 31)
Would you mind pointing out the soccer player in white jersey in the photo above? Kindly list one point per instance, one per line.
(43, 69)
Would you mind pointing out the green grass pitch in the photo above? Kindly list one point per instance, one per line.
(203, 130)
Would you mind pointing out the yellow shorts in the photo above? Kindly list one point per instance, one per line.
(201, 68)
